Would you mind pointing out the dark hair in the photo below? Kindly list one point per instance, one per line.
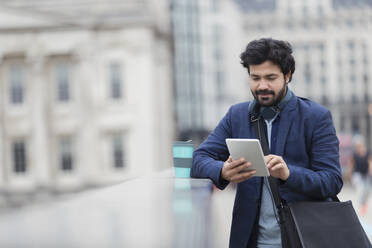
(277, 51)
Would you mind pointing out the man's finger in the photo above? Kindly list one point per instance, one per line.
(238, 169)
(241, 167)
(236, 163)
(277, 166)
(268, 158)
(273, 162)
(243, 176)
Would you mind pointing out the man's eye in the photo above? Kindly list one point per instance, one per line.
(271, 78)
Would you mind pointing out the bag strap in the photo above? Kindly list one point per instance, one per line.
(273, 182)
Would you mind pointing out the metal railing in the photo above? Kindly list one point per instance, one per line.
(153, 211)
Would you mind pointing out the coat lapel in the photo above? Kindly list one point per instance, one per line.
(286, 119)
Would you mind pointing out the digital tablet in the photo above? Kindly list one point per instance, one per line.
(251, 150)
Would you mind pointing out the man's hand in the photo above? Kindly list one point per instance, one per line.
(233, 170)
(277, 167)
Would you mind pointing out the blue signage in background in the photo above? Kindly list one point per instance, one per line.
(182, 157)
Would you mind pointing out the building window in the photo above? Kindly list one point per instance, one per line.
(321, 48)
(355, 125)
(320, 11)
(305, 24)
(351, 45)
(19, 156)
(215, 5)
(63, 78)
(217, 40)
(341, 99)
(365, 59)
(339, 63)
(349, 22)
(219, 74)
(352, 78)
(365, 79)
(340, 79)
(365, 54)
(305, 11)
(115, 81)
(220, 87)
(307, 73)
(323, 80)
(353, 99)
(306, 48)
(342, 123)
(352, 61)
(290, 24)
(118, 151)
(17, 81)
(66, 154)
(323, 64)
(289, 11)
(324, 100)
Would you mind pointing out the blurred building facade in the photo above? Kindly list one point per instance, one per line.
(333, 49)
(208, 38)
(86, 92)
(332, 46)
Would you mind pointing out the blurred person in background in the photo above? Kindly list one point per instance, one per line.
(360, 172)
(304, 149)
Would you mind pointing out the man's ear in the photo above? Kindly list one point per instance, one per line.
(287, 77)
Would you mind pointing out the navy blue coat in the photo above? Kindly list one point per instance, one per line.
(307, 142)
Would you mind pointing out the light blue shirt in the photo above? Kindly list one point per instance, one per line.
(268, 225)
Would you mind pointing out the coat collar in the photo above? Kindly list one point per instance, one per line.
(287, 116)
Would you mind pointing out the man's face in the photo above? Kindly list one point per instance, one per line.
(267, 82)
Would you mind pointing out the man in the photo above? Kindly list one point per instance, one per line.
(360, 172)
(302, 140)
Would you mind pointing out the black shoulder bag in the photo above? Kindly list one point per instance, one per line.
(314, 224)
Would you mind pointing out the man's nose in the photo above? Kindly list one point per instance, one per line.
(263, 84)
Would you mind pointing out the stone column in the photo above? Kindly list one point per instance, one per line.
(2, 126)
(86, 76)
(38, 147)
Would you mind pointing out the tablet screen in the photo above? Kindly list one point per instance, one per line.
(251, 150)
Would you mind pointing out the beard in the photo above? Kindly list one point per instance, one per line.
(265, 102)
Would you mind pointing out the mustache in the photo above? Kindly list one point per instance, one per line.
(258, 92)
